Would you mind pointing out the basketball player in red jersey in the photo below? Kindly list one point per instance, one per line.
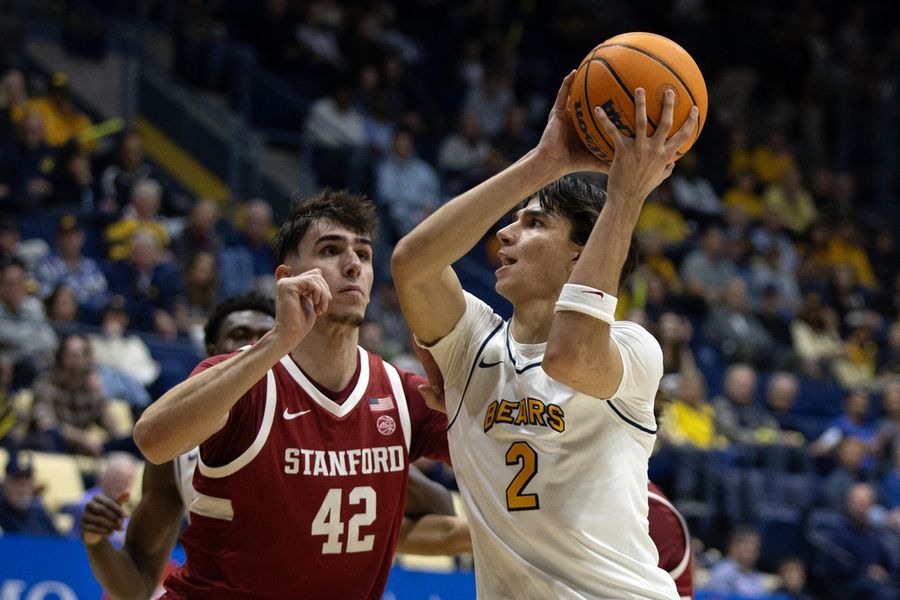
(134, 570)
(305, 439)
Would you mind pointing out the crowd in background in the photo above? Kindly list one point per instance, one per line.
(769, 269)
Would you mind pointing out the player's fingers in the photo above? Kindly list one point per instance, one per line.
(99, 523)
(685, 132)
(562, 96)
(101, 505)
(640, 115)
(611, 130)
(665, 122)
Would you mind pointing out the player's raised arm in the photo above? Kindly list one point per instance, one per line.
(192, 411)
(134, 570)
(429, 292)
(580, 351)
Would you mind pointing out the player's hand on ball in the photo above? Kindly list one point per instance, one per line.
(299, 300)
(102, 516)
(641, 163)
(560, 145)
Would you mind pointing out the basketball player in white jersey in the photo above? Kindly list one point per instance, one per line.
(551, 413)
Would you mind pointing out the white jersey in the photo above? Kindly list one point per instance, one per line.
(554, 481)
(184, 465)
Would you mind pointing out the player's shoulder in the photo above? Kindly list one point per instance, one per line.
(635, 336)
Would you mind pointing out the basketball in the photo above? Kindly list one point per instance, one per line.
(608, 76)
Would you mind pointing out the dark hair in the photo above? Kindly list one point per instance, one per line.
(354, 211)
(64, 341)
(580, 201)
(252, 301)
(740, 533)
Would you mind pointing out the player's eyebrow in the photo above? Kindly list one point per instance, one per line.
(335, 237)
(531, 212)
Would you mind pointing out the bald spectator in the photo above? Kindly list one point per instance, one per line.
(129, 169)
(781, 393)
(690, 419)
(247, 263)
(26, 168)
(116, 478)
(850, 455)
(738, 417)
(735, 331)
(861, 565)
(141, 214)
(149, 286)
(26, 338)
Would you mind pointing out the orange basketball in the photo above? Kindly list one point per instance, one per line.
(608, 76)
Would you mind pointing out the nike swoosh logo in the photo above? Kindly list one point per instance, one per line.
(289, 415)
(486, 365)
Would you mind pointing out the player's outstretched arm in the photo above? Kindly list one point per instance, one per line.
(435, 535)
(188, 414)
(429, 292)
(133, 572)
(580, 351)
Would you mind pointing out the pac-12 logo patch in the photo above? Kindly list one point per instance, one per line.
(386, 425)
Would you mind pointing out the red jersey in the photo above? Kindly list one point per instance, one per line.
(673, 540)
(301, 496)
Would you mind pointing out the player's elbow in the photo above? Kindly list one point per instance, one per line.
(558, 363)
(149, 436)
(402, 259)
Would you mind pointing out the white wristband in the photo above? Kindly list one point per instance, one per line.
(587, 300)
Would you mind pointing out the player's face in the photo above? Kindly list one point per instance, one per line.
(345, 257)
(239, 329)
(536, 255)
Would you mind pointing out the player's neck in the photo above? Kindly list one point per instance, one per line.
(328, 355)
(531, 321)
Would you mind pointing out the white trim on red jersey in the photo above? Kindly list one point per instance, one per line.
(400, 397)
(338, 410)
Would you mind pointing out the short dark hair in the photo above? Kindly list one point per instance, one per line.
(354, 211)
(251, 301)
(580, 201)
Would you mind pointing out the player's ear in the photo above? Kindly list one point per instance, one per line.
(282, 270)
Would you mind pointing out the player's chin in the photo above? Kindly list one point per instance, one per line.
(353, 318)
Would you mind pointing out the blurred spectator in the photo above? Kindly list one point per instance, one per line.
(61, 307)
(115, 480)
(849, 470)
(141, 214)
(674, 334)
(68, 401)
(888, 425)
(737, 416)
(379, 127)
(853, 422)
(773, 159)
(200, 234)
(64, 121)
(863, 567)
(884, 257)
(656, 260)
(13, 101)
(781, 393)
(385, 309)
(68, 266)
(118, 180)
(845, 248)
(248, 261)
(775, 319)
(890, 485)
(735, 331)
(201, 292)
(406, 186)
(791, 202)
(743, 195)
(815, 336)
(115, 347)
(73, 188)
(694, 194)
(516, 138)
(337, 133)
(889, 355)
(462, 157)
(9, 411)
(149, 286)
(690, 419)
(736, 573)
(792, 575)
(26, 168)
(271, 31)
(856, 365)
(659, 214)
(707, 270)
(21, 509)
(318, 38)
(490, 100)
(26, 339)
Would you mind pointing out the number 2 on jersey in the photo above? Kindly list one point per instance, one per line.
(522, 453)
(328, 521)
